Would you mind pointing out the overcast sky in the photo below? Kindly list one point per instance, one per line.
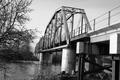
(43, 10)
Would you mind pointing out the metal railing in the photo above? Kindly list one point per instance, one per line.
(105, 20)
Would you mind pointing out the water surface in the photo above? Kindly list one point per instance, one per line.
(27, 70)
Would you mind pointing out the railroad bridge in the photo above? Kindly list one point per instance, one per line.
(96, 42)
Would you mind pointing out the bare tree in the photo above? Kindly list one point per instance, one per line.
(13, 16)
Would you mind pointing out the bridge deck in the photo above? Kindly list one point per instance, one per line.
(99, 35)
(70, 25)
(104, 34)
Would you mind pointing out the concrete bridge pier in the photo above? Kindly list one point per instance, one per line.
(85, 47)
(80, 47)
(115, 49)
(45, 58)
(68, 60)
(41, 58)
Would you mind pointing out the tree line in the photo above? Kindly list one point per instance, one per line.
(14, 37)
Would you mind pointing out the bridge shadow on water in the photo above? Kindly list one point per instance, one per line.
(48, 72)
(53, 72)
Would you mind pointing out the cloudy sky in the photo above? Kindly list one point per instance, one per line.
(44, 9)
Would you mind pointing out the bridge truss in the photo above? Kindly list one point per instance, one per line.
(59, 31)
(69, 22)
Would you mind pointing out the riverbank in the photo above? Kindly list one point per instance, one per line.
(10, 55)
(18, 57)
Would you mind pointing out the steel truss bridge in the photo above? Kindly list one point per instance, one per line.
(60, 30)
(70, 25)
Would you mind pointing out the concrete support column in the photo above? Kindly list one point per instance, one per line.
(115, 43)
(116, 70)
(41, 58)
(47, 58)
(68, 60)
(115, 49)
(80, 47)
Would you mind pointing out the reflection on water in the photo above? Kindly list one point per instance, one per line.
(47, 71)
(26, 70)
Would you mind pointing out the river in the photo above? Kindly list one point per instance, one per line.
(26, 70)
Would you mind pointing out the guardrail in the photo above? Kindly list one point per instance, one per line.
(105, 20)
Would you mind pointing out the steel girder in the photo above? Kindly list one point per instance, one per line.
(61, 27)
